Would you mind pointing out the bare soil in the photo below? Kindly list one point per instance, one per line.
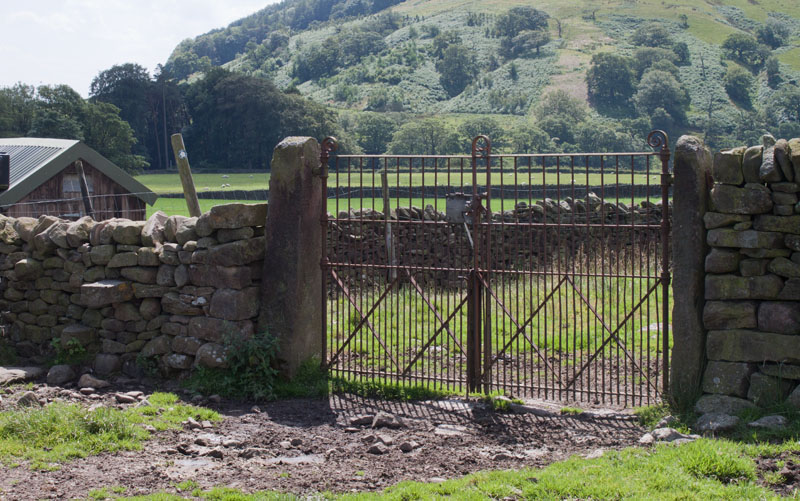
(312, 445)
(787, 481)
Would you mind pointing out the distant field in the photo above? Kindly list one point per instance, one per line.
(171, 183)
(357, 176)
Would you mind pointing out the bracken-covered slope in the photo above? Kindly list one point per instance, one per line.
(456, 56)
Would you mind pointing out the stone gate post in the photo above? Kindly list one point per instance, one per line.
(692, 169)
(292, 278)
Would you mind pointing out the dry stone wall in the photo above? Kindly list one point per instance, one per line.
(546, 233)
(752, 281)
(159, 293)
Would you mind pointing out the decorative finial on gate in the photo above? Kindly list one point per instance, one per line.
(658, 139)
(481, 151)
(326, 147)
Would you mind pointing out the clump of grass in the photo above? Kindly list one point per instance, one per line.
(718, 460)
(571, 411)
(377, 388)
(60, 432)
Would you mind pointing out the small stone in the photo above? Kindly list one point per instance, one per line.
(408, 446)
(87, 390)
(124, 399)
(385, 439)
(285, 444)
(384, 419)
(91, 382)
(647, 439)
(60, 374)
(377, 449)
(192, 424)
(666, 421)
(206, 425)
(722, 404)
(773, 422)
(362, 420)
(29, 399)
(716, 423)
(297, 442)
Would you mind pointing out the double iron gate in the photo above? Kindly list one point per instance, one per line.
(541, 275)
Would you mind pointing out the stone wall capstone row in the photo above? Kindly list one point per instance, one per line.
(170, 288)
(752, 279)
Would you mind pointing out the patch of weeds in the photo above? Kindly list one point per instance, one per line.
(59, 432)
(107, 493)
(187, 485)
(379, 389)
(360, 473)
(148, 365)
(249, 374)
(72, 353)
(717, 460)
(311, 380)
(773, 478)
(571, 411)
(284, 474)
(650, 416)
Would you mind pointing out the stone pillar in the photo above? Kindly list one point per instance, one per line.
(692, 169)
(292, 279)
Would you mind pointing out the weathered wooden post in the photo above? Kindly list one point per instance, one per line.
(291, 309)
(189, 192)
(87, 202)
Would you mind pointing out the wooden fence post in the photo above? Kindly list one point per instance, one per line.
(189, 192)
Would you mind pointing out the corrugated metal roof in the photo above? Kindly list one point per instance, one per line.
(27, 156)
(35, 160)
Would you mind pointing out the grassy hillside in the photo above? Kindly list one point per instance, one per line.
(397, 67)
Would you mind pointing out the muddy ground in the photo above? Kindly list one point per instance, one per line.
(310, 445)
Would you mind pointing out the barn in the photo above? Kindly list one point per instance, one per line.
(43, 180)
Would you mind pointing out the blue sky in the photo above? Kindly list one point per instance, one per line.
(71, 41)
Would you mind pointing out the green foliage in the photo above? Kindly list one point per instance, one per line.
(457, 67)
(519, 19)
(72, 353)
(386, 390)
(235, 117)
(250, 372)
(374, 132)
(429, 136)
(486, 126)
(610, 79)
(530, 139)
(59, 112)
(310, 381)
(738, 83)
(773, 70)
(660, 90)
(645, 57)
(719, 462)
(653, 35)
(60, 432)
(745, 49)
(784, 105)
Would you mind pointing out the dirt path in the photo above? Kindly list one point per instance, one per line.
(309, 445)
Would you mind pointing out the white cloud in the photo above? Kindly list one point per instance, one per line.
(71, 41)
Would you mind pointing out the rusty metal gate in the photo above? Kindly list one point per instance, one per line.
(535, 275)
